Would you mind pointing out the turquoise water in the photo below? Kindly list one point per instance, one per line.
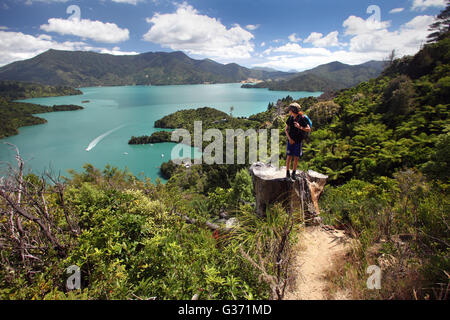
(113, 115)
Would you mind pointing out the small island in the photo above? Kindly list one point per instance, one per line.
(156, 137)
(184, 119)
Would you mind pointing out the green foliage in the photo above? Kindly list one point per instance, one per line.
(168, 169)
(441, 27)
(356, 203)
(134, 244)
(407, 207)
(210, 118)
(438, 167)
(425, 62)
(322, 113)
(13, 90)
(14, 115)
(385, 124)
(398, 96)
(204, 178)
(156, 137)
(220, 199)
(242, 187)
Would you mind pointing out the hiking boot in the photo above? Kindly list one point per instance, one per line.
(294, 176)
(288, 174)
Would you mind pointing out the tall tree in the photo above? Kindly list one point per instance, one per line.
(441, 27)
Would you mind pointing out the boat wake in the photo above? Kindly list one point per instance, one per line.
(101, 137)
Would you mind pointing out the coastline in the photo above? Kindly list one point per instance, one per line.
(61, 143)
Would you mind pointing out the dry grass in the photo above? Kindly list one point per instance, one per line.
(316, 253)
(401, 279)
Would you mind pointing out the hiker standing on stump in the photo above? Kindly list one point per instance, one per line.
(296, 128)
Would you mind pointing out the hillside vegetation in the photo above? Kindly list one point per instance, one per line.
(327, 77)
(14, 115)
(384, 145)
(386, 152)
(14, 90)
(85, 69)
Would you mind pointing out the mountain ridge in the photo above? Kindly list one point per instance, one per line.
(85, 68)
(327, 77)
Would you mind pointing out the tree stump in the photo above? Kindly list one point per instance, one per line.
(271, 186)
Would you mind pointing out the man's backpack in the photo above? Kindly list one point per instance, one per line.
(307, 135)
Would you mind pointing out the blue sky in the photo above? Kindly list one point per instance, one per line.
(281, 34)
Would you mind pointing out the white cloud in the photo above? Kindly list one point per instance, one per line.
(397, 10)
(293, 38)
(421, 5)
(19, 46)
(319, 41)
(370, 36)
(314, 36)
(294, 49)
(368, 40)
(16, 46)
(356, 25)
(308, 58)
(189, 31)
(115, 51)
(133, 2)
(252, 27)
(87, 29)
(263, 44)
(30, 2)
(288, 47)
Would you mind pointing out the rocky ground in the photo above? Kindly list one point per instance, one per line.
(318, 251)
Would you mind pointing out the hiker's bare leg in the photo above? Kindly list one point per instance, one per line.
(295, 163)
(288, 162)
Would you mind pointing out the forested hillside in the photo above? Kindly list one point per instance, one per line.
(14, 90)
(85, 69)
(14, 115)
(327, 77)
(384, 145)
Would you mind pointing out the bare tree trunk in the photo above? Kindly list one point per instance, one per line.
(26, 201)
(271, 186)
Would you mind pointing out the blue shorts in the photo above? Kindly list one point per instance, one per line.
(294, 150)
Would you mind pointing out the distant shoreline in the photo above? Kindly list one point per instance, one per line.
(198, 84)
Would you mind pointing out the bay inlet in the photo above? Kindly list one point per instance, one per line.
(99, 134)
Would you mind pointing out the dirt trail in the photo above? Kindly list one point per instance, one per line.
(318, 249)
